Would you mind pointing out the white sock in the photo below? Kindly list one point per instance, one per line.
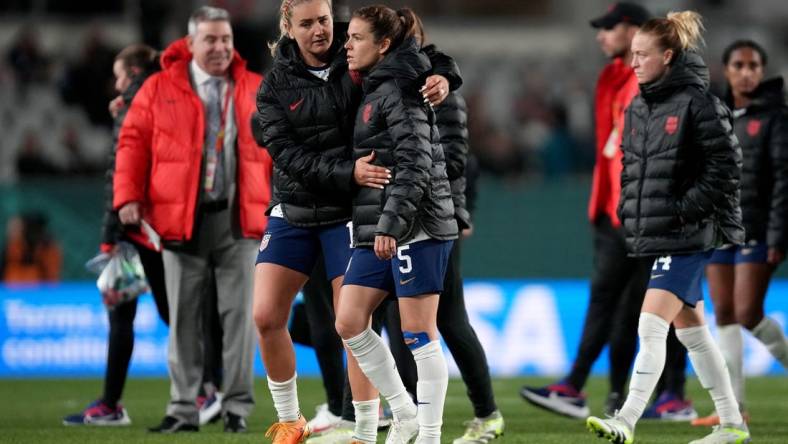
(711, 370)
(649, 363)
(729, 338)
(378, 365)
(285, 396)
(366, 428)
(430, 390)
(771, 335)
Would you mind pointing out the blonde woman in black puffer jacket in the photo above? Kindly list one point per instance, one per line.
(679, 201)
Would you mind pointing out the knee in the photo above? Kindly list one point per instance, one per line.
(348, 328)
(749, 316)
(267, 320)
(725, 313)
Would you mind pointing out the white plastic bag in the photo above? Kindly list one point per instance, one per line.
(122, 278)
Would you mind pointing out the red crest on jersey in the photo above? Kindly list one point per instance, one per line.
(753, 127)
(671, 125)
(367, 113)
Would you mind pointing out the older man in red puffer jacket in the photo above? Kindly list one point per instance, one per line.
(188, 164)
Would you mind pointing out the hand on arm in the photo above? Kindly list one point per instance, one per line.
(366, 174)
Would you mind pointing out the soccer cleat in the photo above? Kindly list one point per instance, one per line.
(210, 408)
(613, 429)
(726, 435)
(324, 420)
(99, 414)
(171, 424)
(713, 420)
(342, 433)
(559, 398)
(482, 430)
(402, 431)
(292, 432)
(670, 407)
(234, 423)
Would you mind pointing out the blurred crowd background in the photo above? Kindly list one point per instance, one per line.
(529, 68)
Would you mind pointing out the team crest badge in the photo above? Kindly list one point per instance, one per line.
(264, 242)
(672, 125)
(367, 114)
(753, 127)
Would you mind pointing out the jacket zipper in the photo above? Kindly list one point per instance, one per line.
(643, 157)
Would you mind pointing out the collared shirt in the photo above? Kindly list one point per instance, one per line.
(200, 81)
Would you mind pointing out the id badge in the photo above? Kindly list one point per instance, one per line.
(210, 170)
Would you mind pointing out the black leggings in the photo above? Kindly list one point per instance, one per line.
(121, 331)
(460, 337)
(618, 286)
(121, 327)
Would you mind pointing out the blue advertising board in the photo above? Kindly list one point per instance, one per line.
(527, 327)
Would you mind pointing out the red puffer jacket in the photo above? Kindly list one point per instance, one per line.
(615, 89)
(160, 150)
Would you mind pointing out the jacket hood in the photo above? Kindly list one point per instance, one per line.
(178, 53)
(405, 63)
(288, 56)
(688, 69)
(769, 94)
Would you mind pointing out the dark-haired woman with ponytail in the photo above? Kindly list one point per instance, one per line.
(679, 201)
(403, 233)
(306, 106)
(739, 276)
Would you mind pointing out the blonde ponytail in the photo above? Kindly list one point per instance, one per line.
(689, 27)
(680, 31)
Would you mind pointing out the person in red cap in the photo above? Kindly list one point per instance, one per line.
(618, 282)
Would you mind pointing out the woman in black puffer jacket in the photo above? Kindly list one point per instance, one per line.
(679, 201)
(739, 275)
(132, 66)
(403, 234)
(306, 107)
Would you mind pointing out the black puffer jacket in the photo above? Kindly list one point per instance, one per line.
(452, 120)
(763, 133)
(682, 163)
(394, 122)
(306, 124)
(111, 228)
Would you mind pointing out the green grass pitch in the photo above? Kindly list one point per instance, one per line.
(31, 412)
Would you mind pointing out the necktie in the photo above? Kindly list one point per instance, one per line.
(213, 109)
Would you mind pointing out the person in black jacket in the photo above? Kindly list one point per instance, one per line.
(131, 67)
(402, 233)
(453, 323)
(306, 106)
(739, 275)
(679, 201)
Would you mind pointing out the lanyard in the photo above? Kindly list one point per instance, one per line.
(223, 118)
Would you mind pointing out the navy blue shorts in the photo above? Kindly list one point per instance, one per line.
(753, 253)
(298, 248)
(417, 269)
(681, 274)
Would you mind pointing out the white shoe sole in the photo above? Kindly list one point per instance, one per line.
(560, 407)
(207, 415)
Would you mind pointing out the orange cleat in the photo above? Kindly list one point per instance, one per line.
(714, 420)
(292, 432)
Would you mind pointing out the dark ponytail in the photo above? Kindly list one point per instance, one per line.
(386, 23)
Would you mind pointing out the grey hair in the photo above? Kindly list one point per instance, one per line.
(207, 14)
